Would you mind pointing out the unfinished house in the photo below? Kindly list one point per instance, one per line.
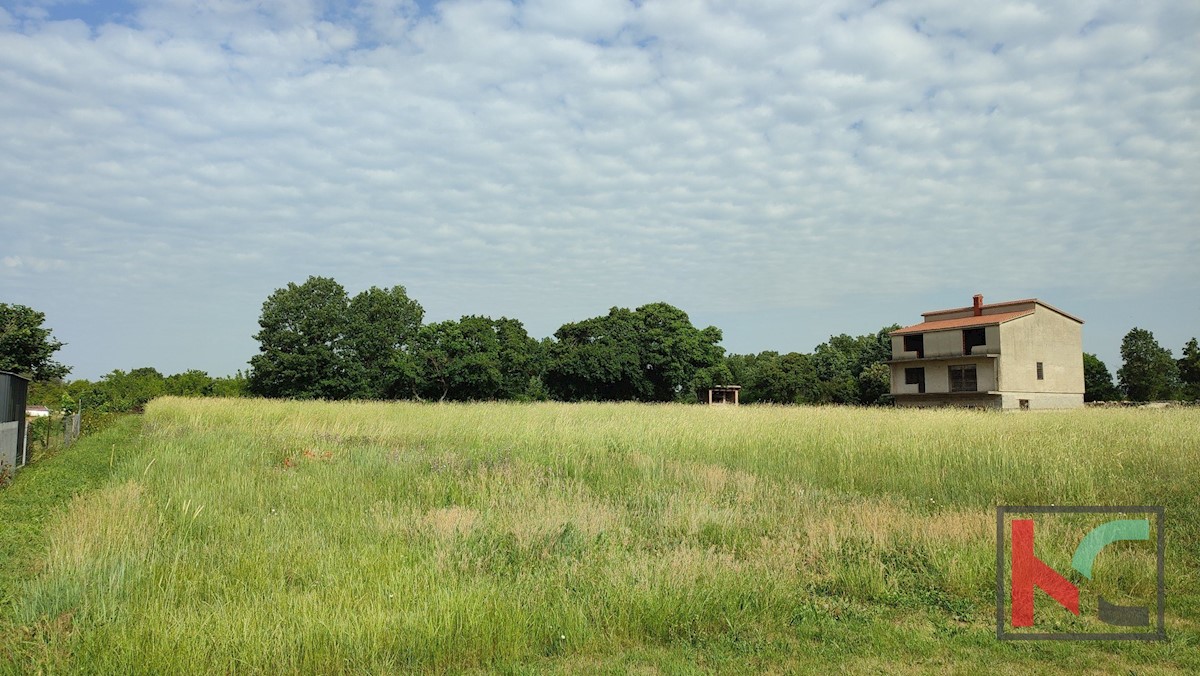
(1021, 354)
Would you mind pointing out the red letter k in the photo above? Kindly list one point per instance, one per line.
(1028, 571)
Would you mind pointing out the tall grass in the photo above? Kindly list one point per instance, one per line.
(261, 536)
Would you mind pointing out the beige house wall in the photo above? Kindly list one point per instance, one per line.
(948, 344)
(937, 375)
(1047, 337)
(963, 400)
(1041, 400)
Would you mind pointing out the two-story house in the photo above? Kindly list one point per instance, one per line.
(1017, 354)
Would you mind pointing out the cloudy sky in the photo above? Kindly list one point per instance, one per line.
(785, 170)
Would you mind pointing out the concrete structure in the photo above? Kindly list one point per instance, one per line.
(724, 394)
(1020, 354)
(13, 392)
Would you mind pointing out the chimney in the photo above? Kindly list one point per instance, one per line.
(978, 306)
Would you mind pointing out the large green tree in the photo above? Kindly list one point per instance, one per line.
(652, 353)
(599, 359)
(26, 346)
(381, 327)
(302, 352)
(475, 358)
(1149, 372)
(1189, 370)
(1097, 380)
(778, 379)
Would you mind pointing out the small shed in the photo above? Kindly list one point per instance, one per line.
(723, 394)
(37, 412)
(14, 391)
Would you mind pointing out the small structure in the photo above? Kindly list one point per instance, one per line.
(37, 412)
(14, 390)
(723, 394)
(1013, 355)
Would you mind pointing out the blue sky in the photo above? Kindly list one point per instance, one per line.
(783, 170)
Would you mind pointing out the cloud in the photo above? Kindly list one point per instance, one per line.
(549, 160)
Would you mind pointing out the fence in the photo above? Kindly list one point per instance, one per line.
(71, 426)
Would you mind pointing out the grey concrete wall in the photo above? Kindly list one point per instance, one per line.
(1042, 400)
(959, 400)
(1050, 338)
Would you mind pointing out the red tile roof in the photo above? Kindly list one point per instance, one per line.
(986, 306)
(969, 308)
(962, 322)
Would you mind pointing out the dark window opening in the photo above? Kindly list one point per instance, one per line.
(915, 376)
(1024, 403)
(973, 337)
(915, 344)
(1041, 373)
(962, 379)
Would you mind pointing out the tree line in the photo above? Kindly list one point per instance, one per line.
(318, 342)
(1149, 372)
(129, 391)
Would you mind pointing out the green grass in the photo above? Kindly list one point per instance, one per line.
(254, 536)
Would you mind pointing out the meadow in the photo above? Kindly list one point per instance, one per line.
(256, 536)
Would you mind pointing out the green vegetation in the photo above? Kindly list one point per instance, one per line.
(1097, 380)
(253, 536)
(843, 370)
(40, 493)
(125, 392)
(1149, 372)
(27, 347)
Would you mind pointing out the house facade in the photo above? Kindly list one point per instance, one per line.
(1021, 354)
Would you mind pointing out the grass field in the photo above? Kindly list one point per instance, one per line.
(254, 536)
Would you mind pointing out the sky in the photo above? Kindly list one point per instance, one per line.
(784, 170)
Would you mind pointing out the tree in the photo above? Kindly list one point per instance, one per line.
(1149, 371)
(1097, 380)
(380, 330)
(653, 353)
(522, 361)
(230, 386)
(875, 384)
(26, 347)
(677, 357)
(842, 362)
(1189, 370)
(782, 379)
(123, 392)
(190, 383)
(474, 358)
(598, 359)
(301, 348)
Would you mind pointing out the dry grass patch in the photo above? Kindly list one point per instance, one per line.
(447, 522)
(111, 523)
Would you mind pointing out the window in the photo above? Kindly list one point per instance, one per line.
(973, 337)
(915, 376)
(916, 344)
(1024, 404)
(1041, 374)
(962, 379)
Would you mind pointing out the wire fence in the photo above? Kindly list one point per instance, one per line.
(72, 423)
